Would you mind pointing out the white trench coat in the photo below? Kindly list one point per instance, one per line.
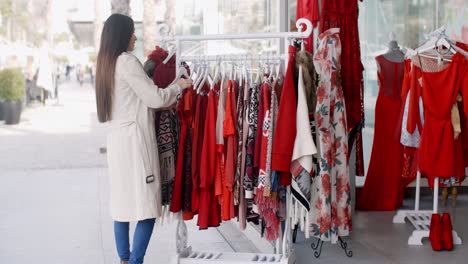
(132, 152)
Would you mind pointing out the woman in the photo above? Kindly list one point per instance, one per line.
(125, 99)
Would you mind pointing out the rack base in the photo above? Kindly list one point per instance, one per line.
(421, 221)
(188, 256)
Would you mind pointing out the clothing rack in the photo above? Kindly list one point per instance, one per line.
(421, 219)
(185, 254)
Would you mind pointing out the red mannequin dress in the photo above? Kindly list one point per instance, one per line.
(381, 190)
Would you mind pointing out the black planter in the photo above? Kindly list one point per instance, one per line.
(1, 110)
(12, 112)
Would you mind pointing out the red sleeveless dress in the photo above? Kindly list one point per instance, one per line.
(381, 190)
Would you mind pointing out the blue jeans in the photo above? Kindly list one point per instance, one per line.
(141, 239)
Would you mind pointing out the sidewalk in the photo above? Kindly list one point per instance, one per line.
(55, 193)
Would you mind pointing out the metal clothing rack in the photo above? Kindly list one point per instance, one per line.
(421, 219)
(284, 254)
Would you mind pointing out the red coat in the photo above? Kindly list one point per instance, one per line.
(285, 132)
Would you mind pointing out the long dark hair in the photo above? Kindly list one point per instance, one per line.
(115, 38)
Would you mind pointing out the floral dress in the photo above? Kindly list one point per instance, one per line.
(330, 214)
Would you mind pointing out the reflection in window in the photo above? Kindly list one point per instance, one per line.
(225, 17)
(409, 20)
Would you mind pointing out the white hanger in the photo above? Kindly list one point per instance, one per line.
(170, 55)
(200, 76)
(217, 73)
(205, 78)
(259, 71)
(278, 69)
(437, 38)
(435, 42)
(272, 67)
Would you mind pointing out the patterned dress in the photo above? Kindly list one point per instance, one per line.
(331, 202)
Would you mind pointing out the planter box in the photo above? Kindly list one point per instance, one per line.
(12, 112)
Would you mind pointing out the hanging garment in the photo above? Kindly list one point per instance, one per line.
(308, 9)
(209, 214)
(267, 205)
(182, 197)
(220, 144)
(244, 126)
(409, 141)
(197, 143)
(252, 120)
(165, 122)
(440, 154)
(285, 133)
(381, 190)
(331, 211)
(230, 134)
(344, 15)
(251, 172)
(240, 136)
(304, 148)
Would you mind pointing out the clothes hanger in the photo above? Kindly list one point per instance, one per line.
(200, 75)
(223, 75)
(216, 72)
(278, 70)
(259, 73)
(272, 67)
(204, 80)
(435, 42)
(171, 53)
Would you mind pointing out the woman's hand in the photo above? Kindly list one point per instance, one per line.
(184, 83)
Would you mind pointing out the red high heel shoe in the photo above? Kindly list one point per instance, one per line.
(435, 232)
(447, 238)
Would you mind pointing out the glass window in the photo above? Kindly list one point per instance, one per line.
(226, 17)
(409, 20)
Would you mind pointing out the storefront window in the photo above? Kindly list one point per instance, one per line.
(226, 17)
(409, 20)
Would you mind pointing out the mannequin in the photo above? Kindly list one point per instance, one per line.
(394, 53)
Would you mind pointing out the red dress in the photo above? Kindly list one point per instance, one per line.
(441, 155)
(230, 135)
(344, 15)
(182, 196)
(197, 143)
(381, 190)
(209, 210)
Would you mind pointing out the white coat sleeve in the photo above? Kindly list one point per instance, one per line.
(151, 95)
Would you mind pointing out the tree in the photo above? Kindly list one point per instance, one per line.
(121, 7)
(149, 25)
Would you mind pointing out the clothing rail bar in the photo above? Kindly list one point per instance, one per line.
(238, 57)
